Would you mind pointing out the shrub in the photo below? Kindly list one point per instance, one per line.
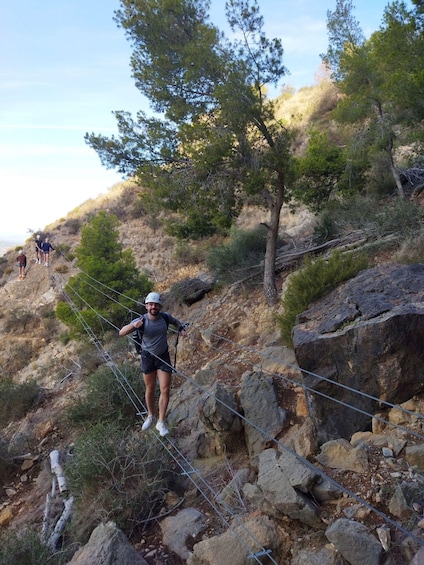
(17, 399)
(20, 320)
(62, 269)
(27, 548)
(411, 250)
(399, 217)
(105, 397)
(192, 253)
(313, 280)
(6, 462)
(115, 477)
(379, 217)
(23, 350)
(73, 225)
(64, 338)
(245, 248)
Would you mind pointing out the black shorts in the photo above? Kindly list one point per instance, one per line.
(150, 363)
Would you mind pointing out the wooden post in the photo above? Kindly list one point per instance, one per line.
(57, 470)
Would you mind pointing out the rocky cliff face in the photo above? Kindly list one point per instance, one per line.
(367, 336)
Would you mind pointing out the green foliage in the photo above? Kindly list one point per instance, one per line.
(105, 399)
(194, 227)
(411, 250)
(318, 171)
(312, 281)
(399, 217)
(232, 260)
(109, 281)
(64, 338)
(382, 104)
(17, 399)
(64, 249)
(375, 217)
(216, 141)
(26, 548)
(115, 476)
(192, 253)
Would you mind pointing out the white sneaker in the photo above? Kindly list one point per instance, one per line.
(147, 423)
(162, 429)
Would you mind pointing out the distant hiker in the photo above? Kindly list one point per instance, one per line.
(46, 247)
(22, 262)
(155, 359)
(38, 250)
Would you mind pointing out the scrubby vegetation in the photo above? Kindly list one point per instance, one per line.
(344, 179)
(231, 260)
(373, 216)
(113, 471)
(116, 475)
(313, 280)
(27, 548)
(104, 397)
(17, 399)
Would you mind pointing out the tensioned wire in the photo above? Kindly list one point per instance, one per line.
(287, 379)
(137, 402)
(386, 518)
(380, 401)
(329, 397)
(294, 454)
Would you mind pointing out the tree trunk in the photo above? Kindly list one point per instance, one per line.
(269, 286)
(394, 171)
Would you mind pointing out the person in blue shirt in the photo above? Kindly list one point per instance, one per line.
(155, 359)
(46, 248)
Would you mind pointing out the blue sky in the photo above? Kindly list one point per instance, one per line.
(66, 66)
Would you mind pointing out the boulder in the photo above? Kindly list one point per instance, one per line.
(109, 546)
(339, 454)
(190, 291)
(283, 487)
(362, 342)
(176, 530)
(354, 542)
(259, 402)
(240, 544)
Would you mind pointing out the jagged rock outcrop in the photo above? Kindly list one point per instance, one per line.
(237, 547)
(109, 546)
(260, 407)
(190, 291)
(282, 488)
(176, 530)
(355, 542)
(368, 337)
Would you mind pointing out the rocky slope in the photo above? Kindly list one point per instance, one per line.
(232, 331)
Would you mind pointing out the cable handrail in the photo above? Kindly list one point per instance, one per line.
(285, 447)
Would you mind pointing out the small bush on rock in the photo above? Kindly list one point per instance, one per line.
(316, 278)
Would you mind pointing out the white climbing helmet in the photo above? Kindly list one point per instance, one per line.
(153, 297)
